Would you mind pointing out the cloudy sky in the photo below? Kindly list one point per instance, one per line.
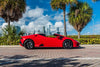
(39, 13)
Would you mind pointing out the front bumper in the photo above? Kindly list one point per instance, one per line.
(76, 44)
(20, 43)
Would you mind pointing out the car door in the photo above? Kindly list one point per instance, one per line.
(52, 42)
(39, 41)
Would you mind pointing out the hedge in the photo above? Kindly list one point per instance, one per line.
(84, 40)
(4, 41)
(89, 41)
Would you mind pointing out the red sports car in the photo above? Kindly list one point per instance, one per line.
(40, 40)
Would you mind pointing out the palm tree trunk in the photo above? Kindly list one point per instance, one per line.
(64, 11)
(78, 34)
(8, 23)
(8, 20)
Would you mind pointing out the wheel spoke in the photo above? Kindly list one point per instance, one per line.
(29, 45)
(68, 44)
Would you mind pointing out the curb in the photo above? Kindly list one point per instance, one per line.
(91, 45)
(10, 46)
(20, 46)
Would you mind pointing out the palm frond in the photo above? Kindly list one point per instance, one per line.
(80, 15)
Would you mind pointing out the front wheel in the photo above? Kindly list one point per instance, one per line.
(68, 44)
(29, 44)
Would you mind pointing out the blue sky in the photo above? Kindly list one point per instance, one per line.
(39, 13)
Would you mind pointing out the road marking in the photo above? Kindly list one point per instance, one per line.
(30, 59)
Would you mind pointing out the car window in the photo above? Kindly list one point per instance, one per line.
(42, 34)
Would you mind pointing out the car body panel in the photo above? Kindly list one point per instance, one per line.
(43, 41)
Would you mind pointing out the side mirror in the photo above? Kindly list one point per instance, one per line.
(35, 35)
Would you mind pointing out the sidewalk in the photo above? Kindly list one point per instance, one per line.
(88, 55)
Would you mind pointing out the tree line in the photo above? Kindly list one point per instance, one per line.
(79, 15)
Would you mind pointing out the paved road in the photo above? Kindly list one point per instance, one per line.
(84, 56)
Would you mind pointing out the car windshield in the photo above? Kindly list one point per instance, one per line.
(53, 35)
(42, 34)
(56, 35)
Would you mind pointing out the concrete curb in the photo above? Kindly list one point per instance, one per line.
(91, 45)
(10, 46)
(20, 46)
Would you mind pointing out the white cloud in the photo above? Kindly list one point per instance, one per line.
(59, 24)
(69, 27)
(33, 13)
(59, 16)
(4, 24)
(40, 21)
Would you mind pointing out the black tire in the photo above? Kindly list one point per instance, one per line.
(68, 44)
(29, 44)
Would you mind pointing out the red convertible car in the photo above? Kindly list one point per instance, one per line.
(40, 40)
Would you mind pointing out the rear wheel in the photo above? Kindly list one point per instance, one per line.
(68, 44)
(29, 44)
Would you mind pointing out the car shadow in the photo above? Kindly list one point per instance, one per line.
(80, 47)
(58, 48)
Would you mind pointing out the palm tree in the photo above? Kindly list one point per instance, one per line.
(79, 16)
(95, 0)
(12, 10)
(61, 4)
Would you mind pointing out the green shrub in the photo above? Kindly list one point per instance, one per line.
(89, 41)
(4, 41)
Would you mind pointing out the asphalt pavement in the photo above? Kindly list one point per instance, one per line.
(16, 56)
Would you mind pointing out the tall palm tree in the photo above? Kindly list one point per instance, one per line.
(95, 0)
(79, 16)
(12, 10)
(61, 4)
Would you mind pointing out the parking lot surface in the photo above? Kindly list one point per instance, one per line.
(84, 56)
